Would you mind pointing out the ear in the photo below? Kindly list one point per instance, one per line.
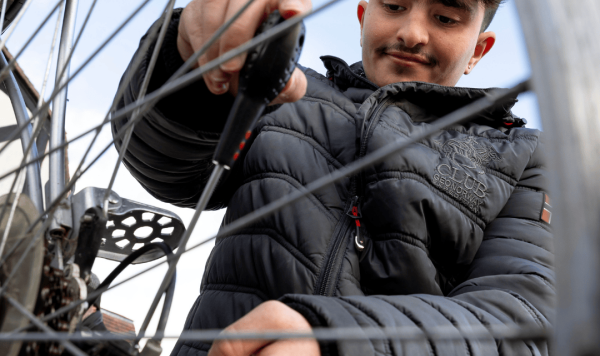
(485, 42)
(360, 12)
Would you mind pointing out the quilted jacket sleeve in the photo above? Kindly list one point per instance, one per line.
(171, 148)
(509, 282)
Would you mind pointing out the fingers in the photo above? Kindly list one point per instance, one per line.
(202, 18)
(271, 315)
(245, 27)
(294, 89)
(242, 30)
(212, 16)
(198, 22)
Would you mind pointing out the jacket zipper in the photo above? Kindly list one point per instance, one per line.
(331, 258)
(352, 215)
(364, 138)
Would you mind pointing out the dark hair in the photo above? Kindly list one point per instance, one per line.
(491, 6)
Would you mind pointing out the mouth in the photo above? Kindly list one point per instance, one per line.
(408, 60)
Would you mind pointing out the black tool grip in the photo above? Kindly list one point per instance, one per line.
(267, 69)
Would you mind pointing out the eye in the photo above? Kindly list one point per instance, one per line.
(445, 20)
(393, 8)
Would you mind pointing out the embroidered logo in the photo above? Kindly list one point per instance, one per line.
(476, 154)
(459, 182)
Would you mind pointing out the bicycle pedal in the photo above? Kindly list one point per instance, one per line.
(130, 225)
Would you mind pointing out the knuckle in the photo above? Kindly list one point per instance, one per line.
(227, 348)
(235, 35)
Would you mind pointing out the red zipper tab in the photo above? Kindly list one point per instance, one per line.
(355, 213)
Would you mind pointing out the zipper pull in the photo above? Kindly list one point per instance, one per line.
(354, 211)
(356, 215)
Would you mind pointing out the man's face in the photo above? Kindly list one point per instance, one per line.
(422, 40)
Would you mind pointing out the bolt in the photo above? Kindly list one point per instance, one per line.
(87, 218)
(113, 200)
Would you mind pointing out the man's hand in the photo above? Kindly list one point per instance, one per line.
(201, 19)
(273, 316)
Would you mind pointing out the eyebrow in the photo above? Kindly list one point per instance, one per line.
(467, 6)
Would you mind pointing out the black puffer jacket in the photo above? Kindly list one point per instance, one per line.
(453, 224)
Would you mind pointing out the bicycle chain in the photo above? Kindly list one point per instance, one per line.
(58, 288)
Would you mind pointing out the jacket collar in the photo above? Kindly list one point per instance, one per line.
(417, 97)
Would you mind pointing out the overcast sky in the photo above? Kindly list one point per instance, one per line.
(335, 31)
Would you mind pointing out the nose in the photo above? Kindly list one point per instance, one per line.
(413, 29)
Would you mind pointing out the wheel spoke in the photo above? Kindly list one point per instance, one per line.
(202, 202)
(400, 333)
(173, 85)
(13, 61)
(66, 343)
(36, 237)
(14, 24)
(50, 206)
(33, 184)
(36, 131)
(194, 58)
(20, 183)
(56, 91)
(136, 62)
(168, 11)
(3, 14)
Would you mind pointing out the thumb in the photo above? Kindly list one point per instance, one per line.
(294, 89)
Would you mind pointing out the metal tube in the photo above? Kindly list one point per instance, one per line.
(563, 48)
(62, 223)
(59, 105)
(33, 185)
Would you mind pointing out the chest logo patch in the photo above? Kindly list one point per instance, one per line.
(461, 178)
(476, 154)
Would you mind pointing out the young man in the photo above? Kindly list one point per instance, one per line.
(454, 227)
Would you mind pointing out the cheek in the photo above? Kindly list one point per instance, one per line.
(455, 56)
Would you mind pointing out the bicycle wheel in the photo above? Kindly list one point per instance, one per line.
(141, 214)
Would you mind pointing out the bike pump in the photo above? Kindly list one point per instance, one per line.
(266, 71)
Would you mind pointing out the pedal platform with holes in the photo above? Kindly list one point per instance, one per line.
(130, 225)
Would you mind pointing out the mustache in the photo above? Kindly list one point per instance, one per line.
(417, 50)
